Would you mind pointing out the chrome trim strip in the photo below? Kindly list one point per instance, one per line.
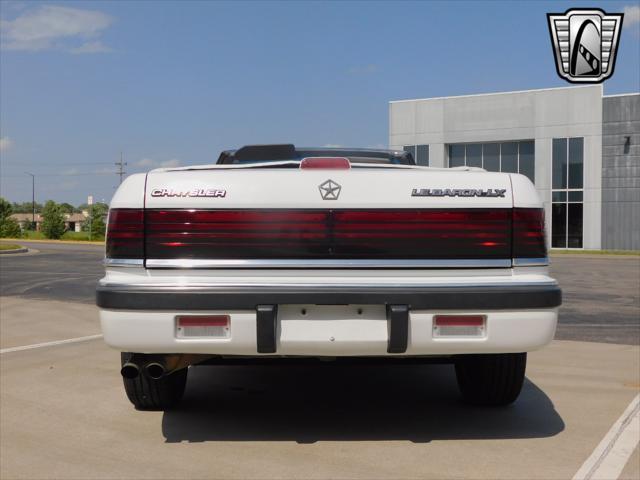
(530, 262)
(328, 263)
(315, 287)
(123, 262)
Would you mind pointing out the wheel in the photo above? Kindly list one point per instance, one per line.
(494, 379)
(148, 394)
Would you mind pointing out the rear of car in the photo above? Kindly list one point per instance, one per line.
(280, 254)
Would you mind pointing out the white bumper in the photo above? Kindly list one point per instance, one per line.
(139, 309)
(155, 332)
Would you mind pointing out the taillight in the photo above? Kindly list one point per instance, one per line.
(528, 233)
(338, 234)
(125, 233)
(326, 163)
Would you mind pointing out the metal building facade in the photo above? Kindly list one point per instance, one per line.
(621, 172)
(555, 136)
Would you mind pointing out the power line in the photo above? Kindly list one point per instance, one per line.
(121, 164)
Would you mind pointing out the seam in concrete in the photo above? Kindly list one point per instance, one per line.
(50, 344)
(612, 453)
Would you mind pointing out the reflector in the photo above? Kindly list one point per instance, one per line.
(459, 325)
(202, 326)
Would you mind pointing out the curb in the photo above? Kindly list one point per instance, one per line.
(17, 250)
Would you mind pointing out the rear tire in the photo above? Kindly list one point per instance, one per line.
(494, 379)
(148, 394)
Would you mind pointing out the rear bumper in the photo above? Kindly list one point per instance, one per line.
(240, 297)
(265, 319)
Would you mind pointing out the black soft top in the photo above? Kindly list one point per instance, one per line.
(287, 151)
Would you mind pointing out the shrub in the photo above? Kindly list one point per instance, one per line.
(8, 226)
(52, 220)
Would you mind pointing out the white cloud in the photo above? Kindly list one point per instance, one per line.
(5, 143)
(52, 26)
(149, 163)
(631, 16)
(91, 47)
(332, 145)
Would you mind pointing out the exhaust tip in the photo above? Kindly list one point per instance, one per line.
(130, 371)
(155, 370)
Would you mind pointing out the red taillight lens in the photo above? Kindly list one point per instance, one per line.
(458, 320)
(339, 234)
(528, 233)
(125, 233)
(326, 163)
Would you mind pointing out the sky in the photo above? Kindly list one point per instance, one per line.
(174, 83)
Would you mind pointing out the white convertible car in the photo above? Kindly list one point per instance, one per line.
(282, 254)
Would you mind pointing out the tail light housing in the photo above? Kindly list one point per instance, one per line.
(336, 234)
(316, 234)
(125, 233)
(529, 233)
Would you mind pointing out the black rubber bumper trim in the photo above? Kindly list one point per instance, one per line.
(266, 316)
(398, 318)
(248, 298)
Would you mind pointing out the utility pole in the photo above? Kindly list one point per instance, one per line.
(33, 199)
(121, 164)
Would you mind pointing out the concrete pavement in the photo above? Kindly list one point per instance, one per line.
(64, 413)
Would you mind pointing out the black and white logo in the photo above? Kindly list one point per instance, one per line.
(330, 190)
(585, 43)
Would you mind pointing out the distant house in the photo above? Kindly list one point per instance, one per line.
(25, 219)
(72, 221)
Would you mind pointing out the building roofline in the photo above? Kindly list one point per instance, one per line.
(621, 95)
(496, 93)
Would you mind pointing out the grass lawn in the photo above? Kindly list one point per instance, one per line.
(79, 236)
(9, 246)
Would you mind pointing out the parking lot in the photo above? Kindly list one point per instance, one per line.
(64, 413)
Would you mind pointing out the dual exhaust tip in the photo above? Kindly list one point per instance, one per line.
(132, 370)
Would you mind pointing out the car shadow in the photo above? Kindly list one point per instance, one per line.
(418, 403)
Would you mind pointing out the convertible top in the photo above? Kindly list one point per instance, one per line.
(283, 152)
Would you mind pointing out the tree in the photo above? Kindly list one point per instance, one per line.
(8, 226)
(52, 220)
(97, 215)
(26, 207)
(67, 207)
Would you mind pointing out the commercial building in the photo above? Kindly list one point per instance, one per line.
(579, 147)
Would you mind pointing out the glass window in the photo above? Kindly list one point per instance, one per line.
(411, 149)
(422, 155)
(474, 155)
(559, 163)
(574, 225)
(491, 157)
(509, 154)
(559, 225)
(559, 197)
(527, 161)
(456, 155)
(576, 154)
(575, 196)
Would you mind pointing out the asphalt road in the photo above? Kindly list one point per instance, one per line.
(601, 293)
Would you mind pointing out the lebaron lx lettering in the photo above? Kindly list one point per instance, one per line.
(458, 192)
